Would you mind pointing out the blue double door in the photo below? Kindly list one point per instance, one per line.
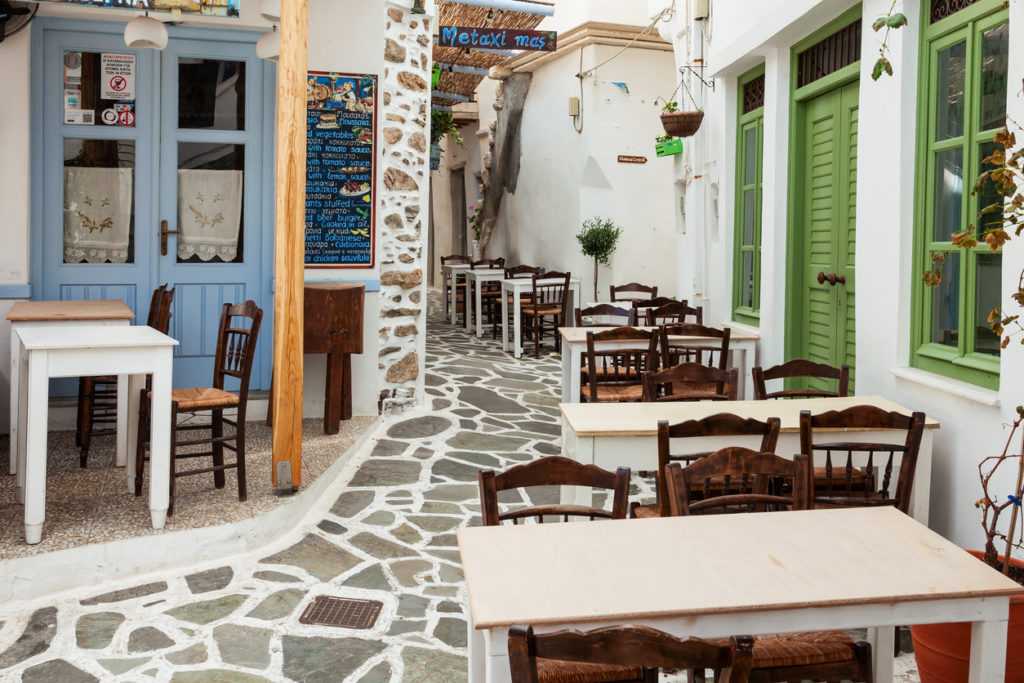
(155, 167)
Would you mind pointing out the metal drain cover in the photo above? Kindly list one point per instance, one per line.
(343, 612)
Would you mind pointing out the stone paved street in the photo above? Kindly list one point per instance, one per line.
(389, 536)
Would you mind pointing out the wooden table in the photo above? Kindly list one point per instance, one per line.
(451, 273)
(742, 350)
(130, 352)
(26, 314)
(474, 303)
(722, 575)
(612, 435)
(515, 288)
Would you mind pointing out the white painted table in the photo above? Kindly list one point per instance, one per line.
(515, 288)
(612, 435)
(128, 352)
(451, 273)
(770, 572)
(28, 314)
(742, 351)
(474, 303)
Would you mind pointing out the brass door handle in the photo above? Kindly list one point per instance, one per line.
(164, 232)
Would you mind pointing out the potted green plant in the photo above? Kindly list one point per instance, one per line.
(473, 219)
(441, 123)
(598, 238)
(681, 124)
(942, 651)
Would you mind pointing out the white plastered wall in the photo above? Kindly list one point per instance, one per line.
(357, 47)
(744, 35)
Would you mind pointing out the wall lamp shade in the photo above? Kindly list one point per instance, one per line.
(145, 32)
(270, 9)
(268, 46)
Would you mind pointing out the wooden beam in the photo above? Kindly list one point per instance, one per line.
(289, 237)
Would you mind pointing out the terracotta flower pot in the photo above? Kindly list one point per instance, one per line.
(942, 651)
(682, 124)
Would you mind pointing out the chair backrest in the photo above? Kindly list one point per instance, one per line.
(553, 470)
(737, 479)
(611, 372)
(676, 351)
(691, 382)
(799, 367)
(486, 263)
(550, 289)
(634, 288)
(864, 476)
(159, 317)
(236, 346)
(717, 425)
(653, 302)
(522, 271)
(674, 312)
(455, 258)
(619, 316)
(629, 646)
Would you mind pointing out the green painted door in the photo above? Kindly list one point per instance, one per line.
(828, 232)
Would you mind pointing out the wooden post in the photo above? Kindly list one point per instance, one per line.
(289, 236)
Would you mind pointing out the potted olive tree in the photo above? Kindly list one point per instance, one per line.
(598, 238)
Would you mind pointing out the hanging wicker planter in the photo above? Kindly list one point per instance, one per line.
(682, 124)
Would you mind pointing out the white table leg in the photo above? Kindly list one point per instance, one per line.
(504, 317)
(922, 479)
(160, 439)
(123, 418)
(517, 324)
(496, 644)
(478, 308)
(23, 395)
(15, 395)
(470, 284)
(881, 639)
(566, 373)
(451, 298)
(38, 385)
(135, 384)
(476, 651)
(988, 652)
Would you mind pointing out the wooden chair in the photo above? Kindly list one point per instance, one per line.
(717, 425)
(737, 480)
(847, 484)
(674, 312)
(620, 317)
(572, 655)
(799, 367)
(97, 396)
(489, 291)
(510, 273)
(690, 382)
(460, 287)
(236, 350)
(641, 292)
(641, 305)
(614, 375)
(552, 470)
(546, 308)
(676, 349)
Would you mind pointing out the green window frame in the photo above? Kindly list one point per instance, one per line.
(961, 106)
(746, 288)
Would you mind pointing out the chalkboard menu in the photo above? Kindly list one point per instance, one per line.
(340, 153)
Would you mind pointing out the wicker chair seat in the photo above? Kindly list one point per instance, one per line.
(204, 398)
(617, 393)
(800, 649)
(541, 309)
(621, 372)
(557, 671)
(645, 511)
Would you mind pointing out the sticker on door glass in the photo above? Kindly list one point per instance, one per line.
(117, 77)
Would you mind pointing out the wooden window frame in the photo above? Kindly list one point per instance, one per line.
(753, 119)
(959, 362)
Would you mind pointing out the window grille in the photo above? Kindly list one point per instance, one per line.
(829, 55)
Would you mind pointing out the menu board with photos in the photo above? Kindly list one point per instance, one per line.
(340, 153)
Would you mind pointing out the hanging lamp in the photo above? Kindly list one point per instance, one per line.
(145, 32)
(268, 46)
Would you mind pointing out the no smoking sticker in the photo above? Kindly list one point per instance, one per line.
(126, 118)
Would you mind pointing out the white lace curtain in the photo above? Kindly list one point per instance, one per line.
(209, 213)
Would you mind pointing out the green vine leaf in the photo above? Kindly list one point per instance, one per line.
(896, 20)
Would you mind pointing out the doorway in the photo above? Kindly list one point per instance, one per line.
(154, 167)
(460, 245)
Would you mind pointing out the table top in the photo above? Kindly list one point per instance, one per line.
(578, 335)
(92, 336)
(641, 419)
(455, 266)
(624, 570)
(104, 309)
(486, 272)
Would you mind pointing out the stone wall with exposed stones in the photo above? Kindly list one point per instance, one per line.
(404, 201)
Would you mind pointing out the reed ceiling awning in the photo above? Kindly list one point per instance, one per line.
(463, 82)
